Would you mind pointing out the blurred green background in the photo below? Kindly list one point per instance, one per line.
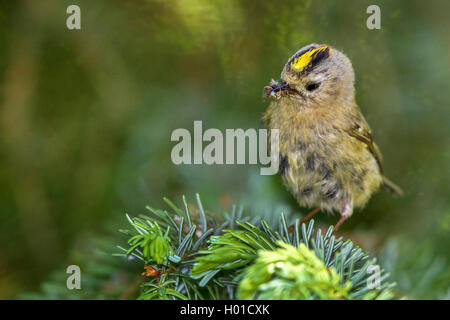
(86, 119)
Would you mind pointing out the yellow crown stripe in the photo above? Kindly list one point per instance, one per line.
(300, 62)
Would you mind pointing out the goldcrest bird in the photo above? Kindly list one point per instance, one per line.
(328, 158)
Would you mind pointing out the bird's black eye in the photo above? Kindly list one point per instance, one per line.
(312, 86)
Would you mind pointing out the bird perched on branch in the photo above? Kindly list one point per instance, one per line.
(328, 158)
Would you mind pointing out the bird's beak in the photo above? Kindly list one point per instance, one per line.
(277, 89)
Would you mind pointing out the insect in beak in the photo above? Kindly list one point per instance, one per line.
(277, 89)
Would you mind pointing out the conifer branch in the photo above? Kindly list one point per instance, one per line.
(204, 258)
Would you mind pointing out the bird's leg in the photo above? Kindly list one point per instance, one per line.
(309, 215)
(346, 212)
(304, 219)
(338, 224)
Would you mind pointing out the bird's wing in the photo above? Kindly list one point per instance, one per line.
(361, 131)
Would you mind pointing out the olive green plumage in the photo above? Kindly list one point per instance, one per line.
(328, 158)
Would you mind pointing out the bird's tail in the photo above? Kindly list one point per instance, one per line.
(391, 187)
